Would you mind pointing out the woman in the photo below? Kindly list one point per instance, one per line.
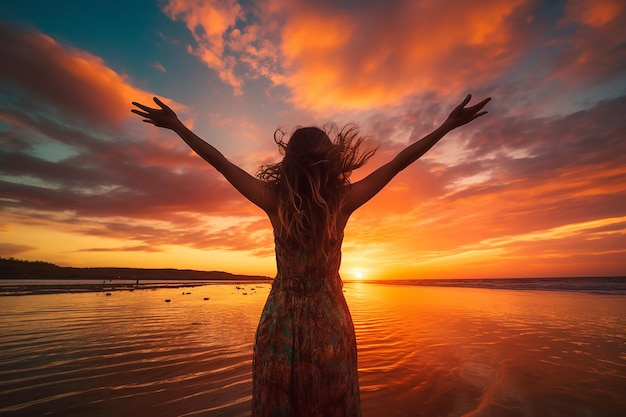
(305, 359)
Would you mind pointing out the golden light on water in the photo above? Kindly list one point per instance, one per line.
(439, 350)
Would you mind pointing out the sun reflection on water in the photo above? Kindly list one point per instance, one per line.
(455, 351)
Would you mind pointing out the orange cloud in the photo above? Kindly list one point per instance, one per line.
(381, 53)
(593, 52)
(361, 56)
(74, 81)
(596, 13)
(212, 24)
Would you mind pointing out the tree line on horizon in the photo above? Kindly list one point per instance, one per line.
(12, 268)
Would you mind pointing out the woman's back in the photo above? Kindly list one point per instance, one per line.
(305, 355)
(300, 269)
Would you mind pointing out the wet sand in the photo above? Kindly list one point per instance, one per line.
(58, 286)
(422, 352)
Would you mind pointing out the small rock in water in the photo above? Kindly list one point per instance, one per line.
(108, 294)
(206, 298)
(168, 300)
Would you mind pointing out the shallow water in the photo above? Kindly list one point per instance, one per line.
(423, 351)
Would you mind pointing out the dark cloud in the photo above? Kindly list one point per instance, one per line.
(585, 138)
(11, 250)
(593, 49)
(140, 248)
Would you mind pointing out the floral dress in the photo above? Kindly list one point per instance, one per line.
(305, 357)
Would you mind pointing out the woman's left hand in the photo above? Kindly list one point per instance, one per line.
(462, 115)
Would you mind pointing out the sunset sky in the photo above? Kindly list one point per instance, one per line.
(535, 188)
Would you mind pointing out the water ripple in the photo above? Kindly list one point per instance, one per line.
(422, 352)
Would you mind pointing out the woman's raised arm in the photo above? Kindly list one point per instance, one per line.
(251, 188)
(362, 191)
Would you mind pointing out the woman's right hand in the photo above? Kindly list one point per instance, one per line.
(164, 117)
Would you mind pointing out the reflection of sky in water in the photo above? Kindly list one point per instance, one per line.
(489, 353)
(423, 351)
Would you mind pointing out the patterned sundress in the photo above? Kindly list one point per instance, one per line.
(305, 356)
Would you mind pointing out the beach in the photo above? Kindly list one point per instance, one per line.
(423, 351)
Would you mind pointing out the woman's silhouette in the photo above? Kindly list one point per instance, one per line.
(305, 358)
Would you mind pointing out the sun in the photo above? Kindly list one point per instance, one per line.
(358, 273)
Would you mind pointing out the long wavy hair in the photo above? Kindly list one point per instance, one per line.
(311, 181)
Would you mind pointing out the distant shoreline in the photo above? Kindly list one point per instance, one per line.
(29, 270)
(126, 279)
